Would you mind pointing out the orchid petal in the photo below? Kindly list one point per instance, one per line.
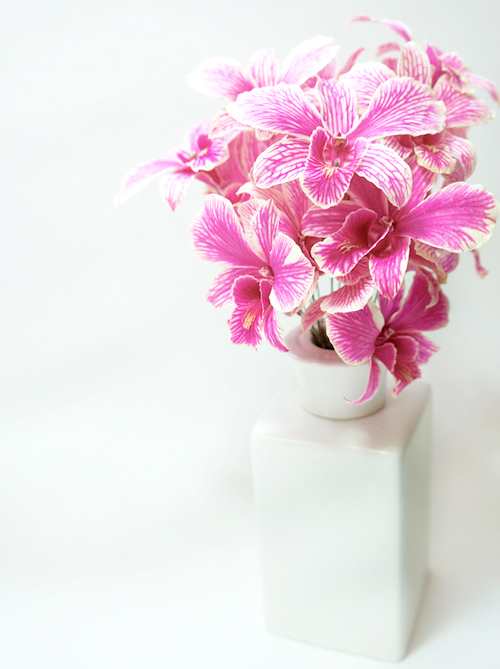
(338, 106)
(489, 87)
(324, 184)
(426, 348)
(459, 217)
(349, 64)
(214, 153)
(383, 167)
(263, 67)
(354, 334)
(461, 109)
(401, 106)
(318, 222)
(358, 273)
(365, 79)
(465, 155)
(413, 62)
(246, 319)
(283, 108)
(142, 174)
(293, 274)
(416, 313)
(387, 48)
(220, 293)
(371, 386)
(173, 186)
(307, 59)
(265, 223)
(398, 27)
(311, 315)
(271, 325)
(218, 236)
(386, 353)
(224, 125)
(340, 252)
(388, 268)
(282, 161)
(440, 161)
(422, 182)
(482, 271)
(349, 298)
(406, 368)
(221, 78)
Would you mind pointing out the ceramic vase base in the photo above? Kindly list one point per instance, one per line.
(342, 508)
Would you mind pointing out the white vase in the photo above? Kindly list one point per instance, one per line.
(342, 509)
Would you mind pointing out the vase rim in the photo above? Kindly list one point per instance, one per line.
(301, 346)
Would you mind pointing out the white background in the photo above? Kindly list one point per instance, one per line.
(127, 531)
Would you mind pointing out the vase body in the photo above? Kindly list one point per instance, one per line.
(342, 509)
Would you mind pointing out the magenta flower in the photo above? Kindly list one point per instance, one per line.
(227, 78)
(198, 154)
(459, 217)
(391, 334)
(326, 148)
(264, 271)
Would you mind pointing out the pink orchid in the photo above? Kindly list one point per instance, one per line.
(227, 78)
(326, 148)
(391, 334)
(198, 154)
(459, 217)
(264, 271)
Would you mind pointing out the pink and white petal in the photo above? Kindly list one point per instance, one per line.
(271, 325)
(218, 235)
(482, 271)
(265, 224)
(174, 185)
(413, 62)
(406, 368)
(386, 353)
(400, 28)
(246, 319)
(358, 273)
(422, 182)
(283, 108)
(353, 334)
(461, 109)
(371, 386)
(365, 79)
(416, 313)
(214, 153)
(489, 86)
(426, 348)
(221, 78)
(324, 184)
(465, 155)
(264, 67)
(308, 59)
(403, 145)
(293, 274)
(390, 307)
(224, 125)
(439, 160)
(338, 106)
(386, 48)
(350, 62)
(142, 174)
(283, 161)
(391, 63)
(459, 217)
(349, 297)
(388, 269)
(311, 315)
(340, 252)
(220, 292)
(384, 168)
(401, 106)
(318, 222)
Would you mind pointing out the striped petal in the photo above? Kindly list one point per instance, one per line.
(283, 108)
(271, 325)
(265, 224)
(435, 159)
(283, 161)
(413, 62)
(218, 236)
(246, 319)
(383, 167)
(459, 217)
(220, 293)
(173, 186)
(318, 222)
(401, 106)
(464, 153)
(388, 267)
(311, 315)
(371, 386)
(354, 334)
(338, 106)
(461, 109)
(293, 274)
(221, 78)
(349, 297)
(416, 314)
(308, 59)
(365, 79)
(263, 67)
(398, 27)
(142, 174)
(489, 87)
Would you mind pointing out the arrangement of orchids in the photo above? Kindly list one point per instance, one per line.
(355, 172)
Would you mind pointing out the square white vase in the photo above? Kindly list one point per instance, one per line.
(342, 510)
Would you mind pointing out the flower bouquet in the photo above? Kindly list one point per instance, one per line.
(327, 184)
(355, 172)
